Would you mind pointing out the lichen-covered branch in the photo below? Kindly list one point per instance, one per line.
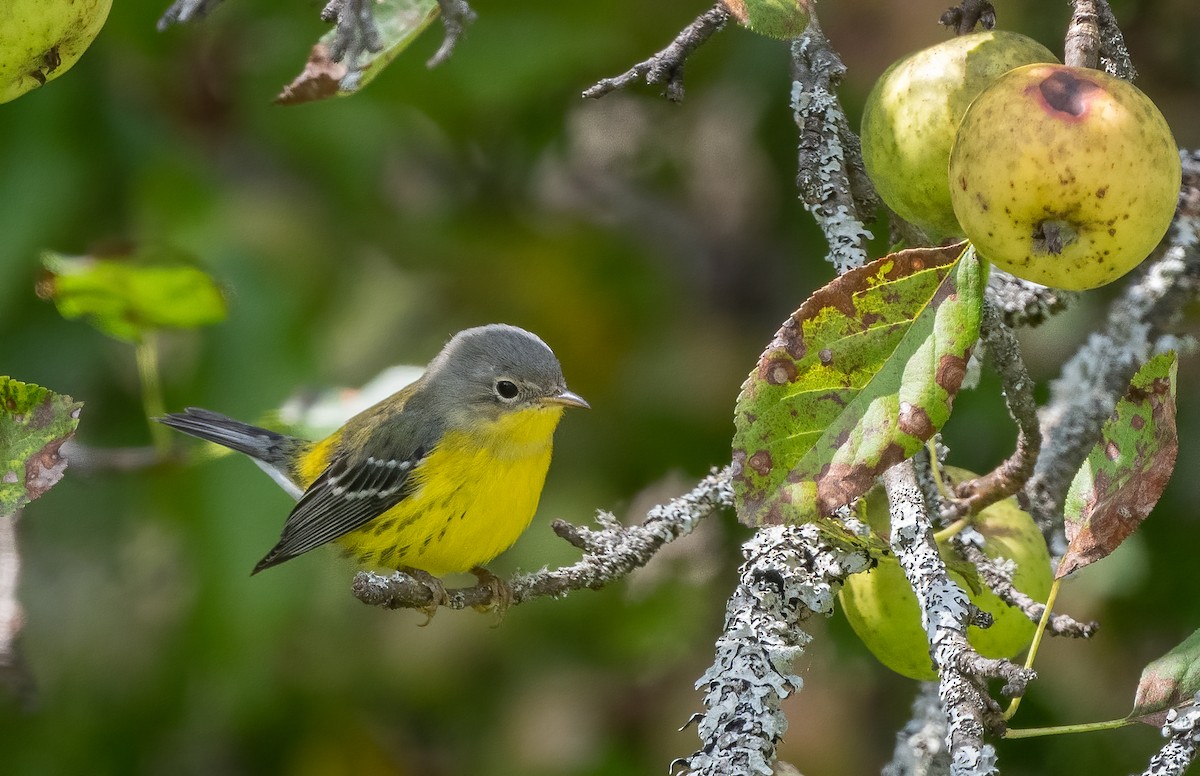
(184, 11)
(356, 32)
(831, 179)
(963, 17)
(921, 743)
(1095, 40)
(456, 15)
(945, 614)
(1023, 303)
(1139, 324)
(666, 67)
(999, 581)
(610, 553)
(1182, 729)
(790, 574)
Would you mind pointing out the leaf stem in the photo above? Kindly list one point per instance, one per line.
(1037, 642)
(152, 396)
(1060, 730)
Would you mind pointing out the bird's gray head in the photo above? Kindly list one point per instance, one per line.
(495, 368)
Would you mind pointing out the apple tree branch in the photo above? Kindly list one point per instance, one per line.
(790, 574)
(831, 179)
(609, 554)
(666, 67)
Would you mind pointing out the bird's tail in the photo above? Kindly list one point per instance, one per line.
(270, 447)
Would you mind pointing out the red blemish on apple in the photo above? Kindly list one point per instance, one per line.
(1066, 94)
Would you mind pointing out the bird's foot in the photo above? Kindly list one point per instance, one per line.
(437, 592)
(501, 595)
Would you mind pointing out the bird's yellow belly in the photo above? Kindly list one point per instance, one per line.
(470, 502)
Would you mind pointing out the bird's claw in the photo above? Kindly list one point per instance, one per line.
(500, 593)
(437, 593)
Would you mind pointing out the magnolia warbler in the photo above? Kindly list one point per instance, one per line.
(442, 476)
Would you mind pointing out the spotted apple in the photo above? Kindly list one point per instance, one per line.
(1064, 176)
(41, 39)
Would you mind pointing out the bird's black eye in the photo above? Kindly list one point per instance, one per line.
(506, 389)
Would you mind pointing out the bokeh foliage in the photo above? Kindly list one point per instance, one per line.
(656, 247)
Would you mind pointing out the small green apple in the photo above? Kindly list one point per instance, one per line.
(1064, 176)
(912, 115)
(881, 608)
(41, 39)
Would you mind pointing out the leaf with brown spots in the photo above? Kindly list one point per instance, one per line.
(399, 22)
(856, 380)
(1167, 682)
(34, 423)
(1127, 470)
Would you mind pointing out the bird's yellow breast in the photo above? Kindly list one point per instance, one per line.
(472, 496)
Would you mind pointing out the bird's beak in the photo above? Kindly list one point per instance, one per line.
(567, 398)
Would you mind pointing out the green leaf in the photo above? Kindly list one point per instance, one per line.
(127, 296)
(399, 23)
(854, 382)
(1126, 472)
(34, 423)
(1169, 681)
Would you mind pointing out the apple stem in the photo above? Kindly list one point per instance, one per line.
(1037, 642)
(1059, 730)
(944, 535)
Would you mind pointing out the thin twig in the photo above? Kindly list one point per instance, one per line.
(963, 17)
(1001, 584)
(184, 11)
(1095, 40)
(830, 153)
(666, 67)
(456, 16)
(611, 553)
(1004, 354)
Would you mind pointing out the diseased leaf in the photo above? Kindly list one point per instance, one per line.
(399, 23)
(129, 295)
(34, 423)
(855, 381)
(1167, 682)
(1127, 470)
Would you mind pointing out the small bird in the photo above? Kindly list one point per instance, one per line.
(441, 476)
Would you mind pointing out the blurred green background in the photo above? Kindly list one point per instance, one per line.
(656, 247)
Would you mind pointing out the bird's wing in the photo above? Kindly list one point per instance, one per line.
(353, 489)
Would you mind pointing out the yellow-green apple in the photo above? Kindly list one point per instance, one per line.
(41, 39)
(912, 115)
(1064, 176)
(882, 609)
